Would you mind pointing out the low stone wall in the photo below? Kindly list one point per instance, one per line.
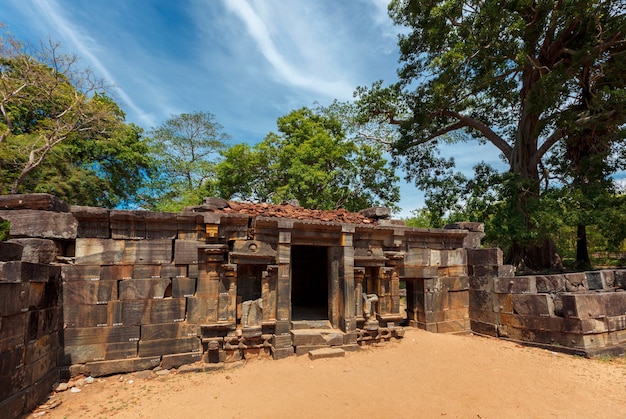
(30, 316)
(579, 313)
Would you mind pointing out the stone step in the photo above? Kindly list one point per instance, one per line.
(326, 353)
(327, 337)
(310, 324)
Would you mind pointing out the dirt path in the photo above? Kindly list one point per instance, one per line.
(424, 375)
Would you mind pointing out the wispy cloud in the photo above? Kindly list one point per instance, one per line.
(279, 32)
(86, 47)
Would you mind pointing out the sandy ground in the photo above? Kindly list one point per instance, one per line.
(424, 375)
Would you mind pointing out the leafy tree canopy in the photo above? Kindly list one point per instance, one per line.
(522, 75)
(59, 133)
(185, 149)
(310, 159)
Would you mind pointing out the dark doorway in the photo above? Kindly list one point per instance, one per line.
(309, 282)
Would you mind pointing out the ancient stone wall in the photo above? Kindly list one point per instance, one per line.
(581, 313)
(30, 306)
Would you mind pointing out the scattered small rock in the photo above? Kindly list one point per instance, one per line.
(163, 372)
(75, 390)
(61, 387)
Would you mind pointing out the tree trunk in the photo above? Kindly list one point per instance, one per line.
(582, 253)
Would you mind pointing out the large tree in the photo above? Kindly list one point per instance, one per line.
(185, 149)
(503, 72)
(310, 159)
(59, 132)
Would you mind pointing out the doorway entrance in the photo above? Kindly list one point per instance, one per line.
(309, 282)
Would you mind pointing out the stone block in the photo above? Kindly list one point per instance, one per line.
(36, 250)
(191, 226)
(169, 331)
(281, 353)
(85, 315)
(576, 282)
(118, 272)
(160, 347)
(183, 287)
(12, 330)
(143, 252)
(501, 271)
(81, 273)
(484, 257)
(147, 271)
(41, 224)
(550, 283)
(599, 280)
(160, 225)
(91, 251)
(516, 285)
(484, 328)
(583, 306)
(89, 292)
(533, 304)
(452, 283)
(454, 257)
(417, 272)
(316, 337)
(139, 289)
(102, 368)
(454, 326)
(620, 279)
(201, 310)
(140, 312)
(34, 201)
(15, 298)
(10, 251)
(326, 353)
(92, 222)
(96, 335)
(127, 224)
(14, 406)
(170, 270)
(170, 361)
(417, 258)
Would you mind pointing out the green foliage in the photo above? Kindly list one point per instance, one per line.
(185, 149)
(60, 134)
(527, 78)
(310, 160)
(5, 228)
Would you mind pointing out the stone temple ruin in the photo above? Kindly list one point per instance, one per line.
(95, 291)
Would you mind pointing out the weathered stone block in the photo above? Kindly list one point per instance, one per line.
(99, 251)
(160, 225)
(118, 272)
(516, 285)
(160, 347)
(41, 224)
(316, 337)
(576, 282)
(92, 222)
(183, 287)
(127, 224)
(176, 360)
(454, 326)
(36, 250)
(95, 335)
(147, 271)
(89, 292)
(500, 271)
(533, 305)
(147, 251)
(170, 270)
(201, 310)
(10, 251)
(326, 353)
(484, 257)
(102, 368)
(281, 353)
(139, 289)
(34, 201)
(136, 312)
(84, 315)
(484, 328)
(168, 331)
(81, 273)
(191, 226)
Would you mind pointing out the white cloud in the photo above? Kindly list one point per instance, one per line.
(300, 56)
(86, 48)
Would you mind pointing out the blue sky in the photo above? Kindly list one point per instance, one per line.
(247, 62)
